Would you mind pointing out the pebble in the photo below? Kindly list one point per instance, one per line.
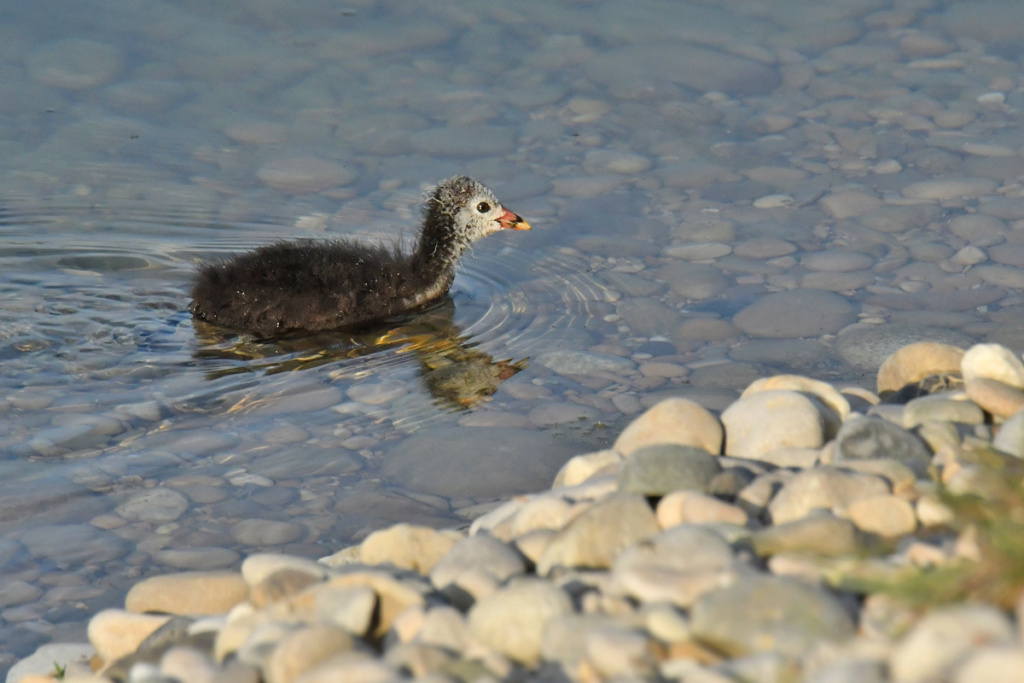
(887, 516)
(672, 421)
(406, 546)
(945, 638)
(157, 505)
(949, 188)
(664, 468)
(994, 397)
(765, 421)
(73, 63)
(583, 363)
(504, 621)
(189, 593)
(849, 204)
(914, 362)
(795, 314)
(825, 488)
(303, 174)
(266, 532)
(597, 535)
(769, 614)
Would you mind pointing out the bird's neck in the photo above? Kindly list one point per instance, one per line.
(432, 264)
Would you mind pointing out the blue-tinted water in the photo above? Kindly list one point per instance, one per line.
(679, 163)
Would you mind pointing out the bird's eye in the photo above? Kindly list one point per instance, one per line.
(483, 207)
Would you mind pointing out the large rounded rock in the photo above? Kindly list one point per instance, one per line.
(188, 593)
(597, 536)
(914, 362)
(672, 421)
(766, 421)
(768, 614)
(657, 470)
(512, 620)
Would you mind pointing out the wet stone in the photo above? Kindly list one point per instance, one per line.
(647, 317)
(477, 462)
(801, 313)
(949, 188)
(75, 544)
(73, 63)
(661, 469)
(584, 363)
(266, 532)
(159, 505)
(301, 175)
(197, 558)
(693, 281)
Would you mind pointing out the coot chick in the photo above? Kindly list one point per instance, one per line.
(311, 286)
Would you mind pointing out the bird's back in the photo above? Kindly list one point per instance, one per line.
(304, 285)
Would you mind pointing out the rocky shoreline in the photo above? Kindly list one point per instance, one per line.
(790, 539)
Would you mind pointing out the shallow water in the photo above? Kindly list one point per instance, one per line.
(719, 191)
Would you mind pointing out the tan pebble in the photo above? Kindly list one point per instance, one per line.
(914, 362)
(580, 468)
(280, 585)
(995, 397)
(933, 512)
(993, 361)
(116, 633)
(823, 391)
(259, 566)
(949, 188)
(303, 650)
(887, 516)
(533, 543)
(849, 204)
(353, 667)
(774, 201)
(673, 421)
(768, 420)
(658, 369)
(394, 595)
(544, 512)
(693, 507)
(595, 537)
(190, 593)
(512, 620)
(626, 404)
(408, 547)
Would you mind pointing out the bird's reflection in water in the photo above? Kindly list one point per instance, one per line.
(455, 372)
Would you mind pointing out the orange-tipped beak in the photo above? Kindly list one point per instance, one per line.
(512, 221)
